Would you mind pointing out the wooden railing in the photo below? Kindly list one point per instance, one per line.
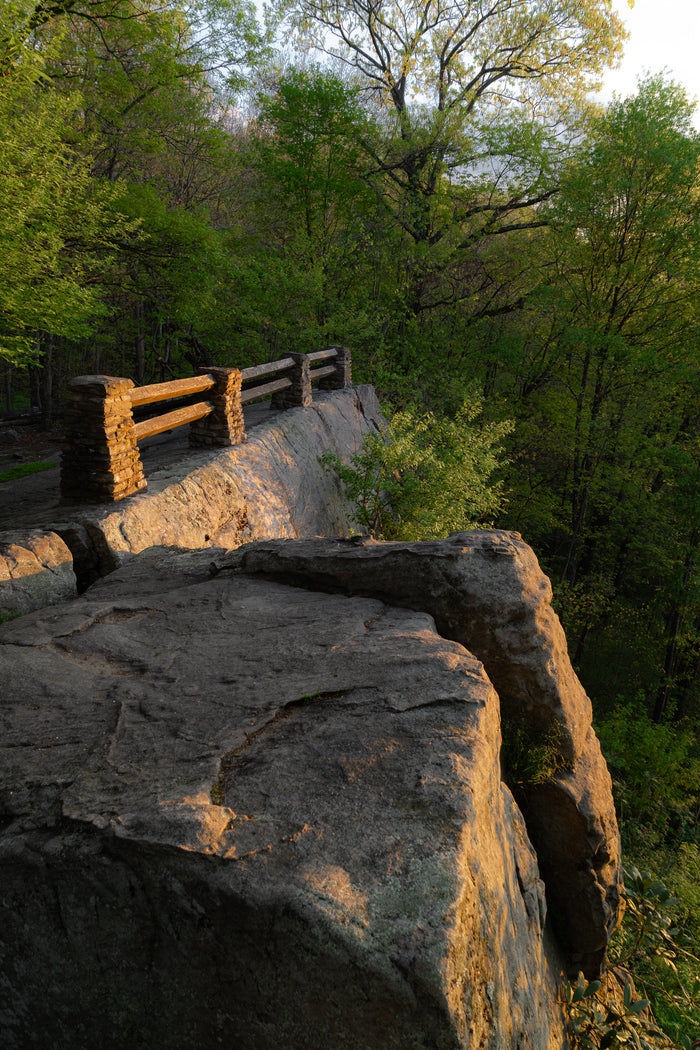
(101, 460)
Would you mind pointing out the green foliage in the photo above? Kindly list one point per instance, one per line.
(305, 244)
(598, 1021)
(656, 773)
(444, 175)
(648, 928)
(530, 756)
(57, 228)
(22, 470)
(649, 945)
(684, 874)
(427, 476)
(661, 952)
(312, 149)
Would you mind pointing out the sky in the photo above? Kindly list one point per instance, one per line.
(663, 33)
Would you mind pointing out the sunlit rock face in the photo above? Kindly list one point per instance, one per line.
(273, 485)
(36, 569)
(486, 591)
(239, 812)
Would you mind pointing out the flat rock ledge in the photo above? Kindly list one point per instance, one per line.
(238, 812)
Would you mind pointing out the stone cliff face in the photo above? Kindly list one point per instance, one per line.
(486, 591)
(254, 797)
(235, 811)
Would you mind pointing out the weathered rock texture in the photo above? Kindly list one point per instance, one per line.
(235, 812)
(485, 590)
(273, 485)
(35, 570)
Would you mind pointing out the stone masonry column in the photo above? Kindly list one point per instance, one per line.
(299, 393)
(100, 460)
(224, 425)
(342, 377)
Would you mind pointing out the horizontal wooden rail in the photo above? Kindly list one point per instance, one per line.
(170, 420)
(148, 395)
(265, 390)
(256, 371)
(323, 355)
(319, 373)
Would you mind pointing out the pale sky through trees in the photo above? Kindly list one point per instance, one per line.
(663, 34)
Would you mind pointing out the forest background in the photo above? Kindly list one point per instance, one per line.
(514, 267)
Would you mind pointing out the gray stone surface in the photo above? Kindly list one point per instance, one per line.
(36, 569)
(486, 590)
(234, 812)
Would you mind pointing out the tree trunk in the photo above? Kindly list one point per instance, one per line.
(8, 388)
(675, 623)
(140, 345)
(46, 382)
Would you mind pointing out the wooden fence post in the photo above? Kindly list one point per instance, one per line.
(299, 393)
(100, 459)
(342, 377)
(224, 425)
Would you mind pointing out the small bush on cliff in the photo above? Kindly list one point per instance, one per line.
(531, 756)
(427, 476)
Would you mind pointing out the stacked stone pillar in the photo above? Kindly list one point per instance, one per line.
(100, 459)
(342, 377)
(224, 425)
(299, 393)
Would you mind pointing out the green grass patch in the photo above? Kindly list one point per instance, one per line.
(22, 470)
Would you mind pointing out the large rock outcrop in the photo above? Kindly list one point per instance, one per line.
(236, 812)
(36, 569)
(486, 590)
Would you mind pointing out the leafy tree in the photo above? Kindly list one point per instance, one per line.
(143, 90)
(458, 83)
(599, 369)
(311, 153)
(57, 229)
(305, 235)
(626, 239)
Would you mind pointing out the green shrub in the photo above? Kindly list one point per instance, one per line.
(684, 874)
(427, 476)
(659, 948)
(530, 756)
(651, 952)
